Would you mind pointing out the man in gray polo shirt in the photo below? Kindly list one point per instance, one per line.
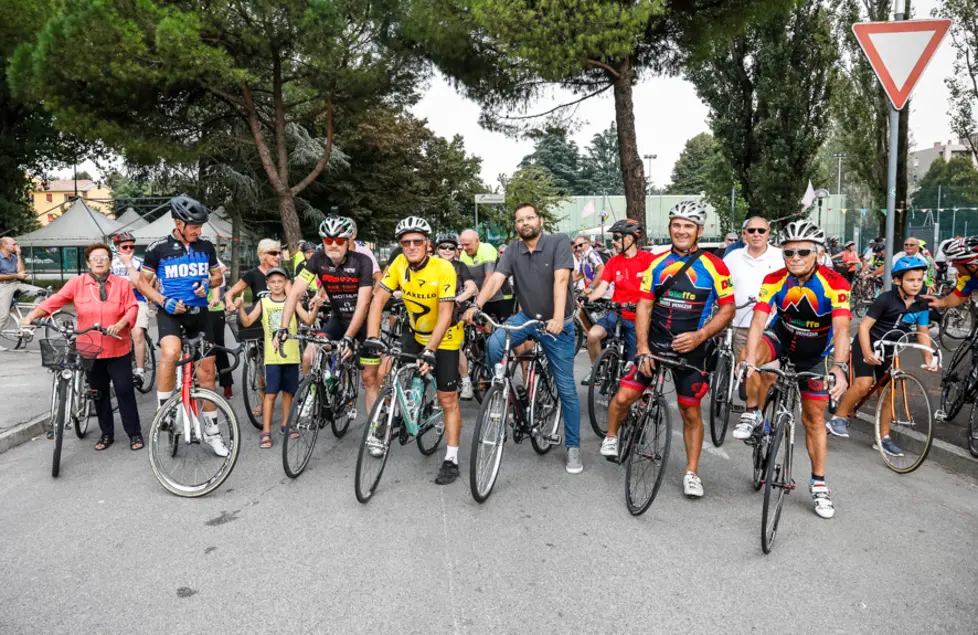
(12, 275)
(541, 266)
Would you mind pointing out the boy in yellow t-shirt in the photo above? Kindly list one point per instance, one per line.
(281, 371)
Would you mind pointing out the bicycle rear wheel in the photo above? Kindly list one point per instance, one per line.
(193, 469)
(544, 410)
(344, 400)
(375, 446)
(481, 379)
(253, 378)
(957, 324)
(488, 441)
(602, 389)
(720, 399)
(432, 424)
(61, 413)
(303, 416)
(777, 480)
(907, 405)
(955, 380)
(648, 456)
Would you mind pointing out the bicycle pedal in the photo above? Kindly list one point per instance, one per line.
(552, 438)
(352, 413)
(940, 416)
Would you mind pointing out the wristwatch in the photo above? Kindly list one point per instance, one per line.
(844, 366)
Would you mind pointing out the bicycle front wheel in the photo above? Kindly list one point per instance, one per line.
(344, 401)
(481, 379)
(432, 425)
(905, 403)
(602, 389)
(720, 399)
(777, 480)
(488, 440)
(544, 410)
(193, 466)
(303, 418)
(648, 456)
(252, 380)
(375, 446)
(955, 380)
(61, 412)
(82, 411)
(956, 324)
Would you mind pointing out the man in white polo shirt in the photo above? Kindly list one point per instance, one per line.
(748, 267)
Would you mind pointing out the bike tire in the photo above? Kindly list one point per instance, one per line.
(776, 477)
(580, 335)
(488, 444)
(962, 319)
(655, 427)
(62, 411)
(67, 320)
(603, 383)
(906, 390)
(149, 367)
(720, 400)
(763, 443)
(378, 421)
(544, 395)
(297, 452)
(250, 383)
(481, 379)
(82, 413)
(161, 445)
(344, 401)
(955, 380)
(973, 431)
(431, 431)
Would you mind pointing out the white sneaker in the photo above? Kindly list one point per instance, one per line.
(692, 486)
(467, 390)
(213, 438)
(820, 499)
(3, 349)
(609, 447)
(744, 429)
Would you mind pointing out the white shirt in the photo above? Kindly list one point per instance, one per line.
(747, 273)
(363, 249)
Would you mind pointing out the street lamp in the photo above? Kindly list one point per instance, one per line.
(648, 173)
(839, 156)
(820, 194)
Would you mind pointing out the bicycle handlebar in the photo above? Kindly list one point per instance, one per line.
(899, 345)
(479, 315)
(193, 346)
(743, 366)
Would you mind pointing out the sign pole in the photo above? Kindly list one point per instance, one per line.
(477, 217)
(891, 177)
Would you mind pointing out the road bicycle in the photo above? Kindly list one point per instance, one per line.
(327, 394)
(775, 441)
(18, 339)
(723, 382)
(407, 408)
(959, 381)
(474, 349)
(903, 404)
(68, 359)
(530, 408)
(607, 370)
(176, 438)
(958, 323)
(864, 292)
(144, 384)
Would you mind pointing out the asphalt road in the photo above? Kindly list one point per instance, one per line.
(105, 549)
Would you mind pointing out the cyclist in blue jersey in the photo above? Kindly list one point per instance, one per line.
(186, 267)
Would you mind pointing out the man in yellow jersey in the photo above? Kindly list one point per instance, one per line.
(427, 287)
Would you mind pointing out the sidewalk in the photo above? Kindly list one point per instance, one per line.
(25, 396)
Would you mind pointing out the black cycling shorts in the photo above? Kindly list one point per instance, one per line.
(811, 389)
(446, 362)
(692, 383)
(499, 311)
(335, 329)
(196, 320)
(860, 368)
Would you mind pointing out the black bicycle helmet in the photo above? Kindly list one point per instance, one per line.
(123, 237)
(627, 226)
(188, 210)
(305, 245)
(447, 238)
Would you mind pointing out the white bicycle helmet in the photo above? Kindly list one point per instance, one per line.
(412, 224)
(803, 230)
(958, 251)
(337, 227)
(689, 210)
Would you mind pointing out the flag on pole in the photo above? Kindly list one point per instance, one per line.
(588, 210)
(843, 210)
(809, 197)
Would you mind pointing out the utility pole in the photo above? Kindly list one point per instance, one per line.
(648, 173)
(839, 156)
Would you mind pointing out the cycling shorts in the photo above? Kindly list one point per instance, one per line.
(860, 368)
(446, 362)
(811, 389)
(692, 384)
(335, 329)
(195, 321)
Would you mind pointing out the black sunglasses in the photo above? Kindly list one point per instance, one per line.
(616, 237)
(804, 253)
(756, 230)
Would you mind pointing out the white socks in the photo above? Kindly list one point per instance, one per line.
(451, 454)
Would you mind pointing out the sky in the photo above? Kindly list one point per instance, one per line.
(667, 113)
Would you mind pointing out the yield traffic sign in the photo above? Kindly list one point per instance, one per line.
(899, 52)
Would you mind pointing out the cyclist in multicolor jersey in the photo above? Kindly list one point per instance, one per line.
(428, 287)
(186, 267)
(676, 322)
(963, 256)
(346, 277)
(900, 309)
(625, 271)
(124, 244)
(811, 330)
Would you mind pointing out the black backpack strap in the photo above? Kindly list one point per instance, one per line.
(671, 281)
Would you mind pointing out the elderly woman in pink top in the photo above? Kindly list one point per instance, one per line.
(100, 297)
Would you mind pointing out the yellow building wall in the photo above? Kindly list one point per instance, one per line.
(98, 198)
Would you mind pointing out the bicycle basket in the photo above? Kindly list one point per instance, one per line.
(61, 354)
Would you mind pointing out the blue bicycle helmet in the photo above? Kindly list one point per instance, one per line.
(909, 263)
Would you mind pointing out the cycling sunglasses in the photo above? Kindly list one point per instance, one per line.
(272, 253)
(413, 242)
(756, 230)
(336, 241)
(129, 247)
(579, 246)
(802, 253)
(447, 246)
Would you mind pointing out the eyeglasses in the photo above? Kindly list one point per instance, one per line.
(447, 247)
(98, 258)
(756, 230)
(412, 242)
(127, 247)
(909, 244)
(336, 241)
(801, 253)
(579, 246)
(525, 219)
(272, 253)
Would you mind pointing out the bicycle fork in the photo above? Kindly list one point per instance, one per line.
(189, 414)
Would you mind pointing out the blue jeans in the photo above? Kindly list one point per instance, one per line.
(560, 353)
(608, 323)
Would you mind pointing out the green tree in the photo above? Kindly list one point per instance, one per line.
(768, 93)
(507, 53)
(532, 184)
(559, 155)
(692, 172)
(963, 82)
(957, 180)
(601, 164)
(157, 76)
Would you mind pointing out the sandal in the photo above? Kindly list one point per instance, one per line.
(293, 433)
(265, 440)
(104, 443)
(136, 442)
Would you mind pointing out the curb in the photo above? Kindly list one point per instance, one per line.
(23, 432)
(948, 456)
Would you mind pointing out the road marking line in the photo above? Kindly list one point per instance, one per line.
(708, 447)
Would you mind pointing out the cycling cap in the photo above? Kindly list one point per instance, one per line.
(276, 270)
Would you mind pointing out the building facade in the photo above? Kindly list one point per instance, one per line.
(52, 198)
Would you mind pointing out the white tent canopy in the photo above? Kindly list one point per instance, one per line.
(131, 221)
(79, 226)
(163, 227)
